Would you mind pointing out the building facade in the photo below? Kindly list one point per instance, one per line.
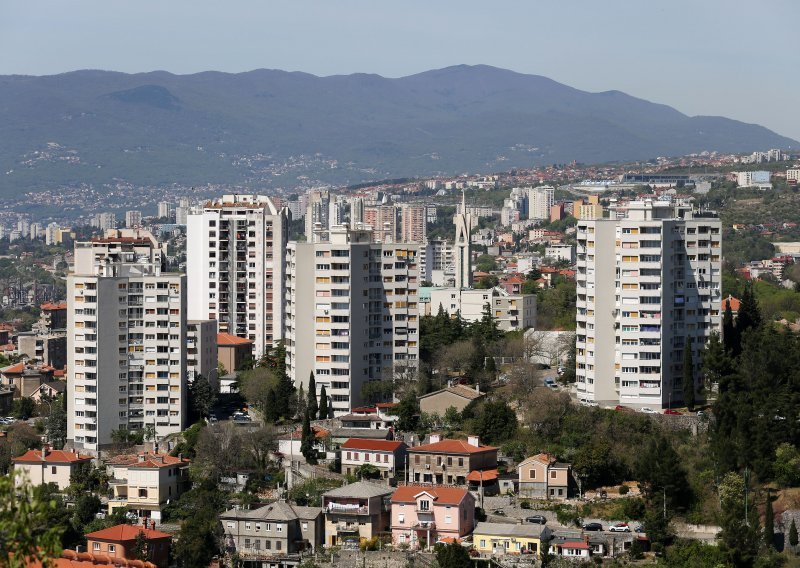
(235, 262)
(648, 282)
(422, 515)
(126, 338)
(413, 226)
(449, 461)
(356, 511)
(540, 200)
(201, 351)
(510, 311)
(351, 313)
(387, 456)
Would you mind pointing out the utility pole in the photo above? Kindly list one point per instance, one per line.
(746, 477)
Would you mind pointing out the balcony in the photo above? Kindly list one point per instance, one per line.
(425, 525)
(347, 510)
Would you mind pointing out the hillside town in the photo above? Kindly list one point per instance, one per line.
(565, 365)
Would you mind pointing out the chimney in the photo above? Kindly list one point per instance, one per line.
(44, 452)
(478, 387)
(434, 438)
(141, 457)
(474, 441)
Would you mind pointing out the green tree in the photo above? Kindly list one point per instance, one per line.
(717, 362)
(495, 422)
(199, 540)
(201, 398)
(491, 368)
(688, 376)
(23, 408)
(323, 403)
(27, 533)
(56, 423)
(140, 548)
(408, 412)
(769, 522)
(284, 390)
(487, 282)
(749, 315)
(311, 404)
(258, 387)
(730, 337)
(452, 555)
(786, 467)
(307, 441)
(741, 537)
(793, 539)
(569, 367)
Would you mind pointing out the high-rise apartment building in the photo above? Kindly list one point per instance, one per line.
(133, 219)
(648, 282)
(126, 338)
(318, 214)
(351, 313)
(164, 210)
(540, 200)
(104, 221)
(383, 220)
(413, 226)
(235, 264)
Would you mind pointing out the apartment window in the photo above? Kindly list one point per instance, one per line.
(424, 505)
(279, 528)
(112, 548)
(53, 470)
(95, 546)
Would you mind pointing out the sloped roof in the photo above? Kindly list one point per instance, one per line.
(377, 445)
(441, 495)
(506, 529)
(122, 533)
(148, 460)
(228, 340)
(452, 447)
(277, 511)
(52, 456)
(460, 390)
(478, 475)
(359, 490)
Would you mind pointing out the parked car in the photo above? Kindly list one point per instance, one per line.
(673, 412)
(536, 519)
(560, 371)
(620, 527)
(638, 528)
(592, 527)
(647, 410)
(499, 512)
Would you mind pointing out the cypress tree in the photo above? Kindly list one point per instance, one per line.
(307, 440)
(729, 336)
(285, 388)
(323, 403)
(312, 406)
(749, 315)
(793, 540)
(688, 376)
(271, 410)
(769, 522)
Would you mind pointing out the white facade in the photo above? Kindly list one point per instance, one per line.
(164, 209)
(793, 175)
(351, 313)
(510, 311)
(753, 179)
(126, 337)
(540, 200)
(647, 282)
(560, 252)
(201, 351)
(235, 262)
(461, 248)
(133, 219)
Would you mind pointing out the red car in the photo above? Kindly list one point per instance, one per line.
(621, 408)
(673, 412)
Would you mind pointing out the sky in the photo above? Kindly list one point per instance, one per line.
(731, 58)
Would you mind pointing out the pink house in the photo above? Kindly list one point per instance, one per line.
(423, 515)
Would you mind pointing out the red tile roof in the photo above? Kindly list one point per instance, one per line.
(441, 495)
(147, 461)
(452, 447)
(72, 559)
(387, 405)
(376, 445)
(52, 456)
(577, 544)
(227, 340)
(50, 306)
(122, 533)
(486, 475)
(734, 302)
(13, 369)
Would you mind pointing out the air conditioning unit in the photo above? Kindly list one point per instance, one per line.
(427, 466)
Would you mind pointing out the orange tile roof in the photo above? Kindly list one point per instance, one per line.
(72, 559)
(122, 533)
(148, 460)
(13, 369)
(49, 306)
(486, 475)
(441, 495)
(53, 456)
(452, 447)
(577, 544)
(387, 404)
(366, 444)
(8, 347)
(227, 340)
(734, 302)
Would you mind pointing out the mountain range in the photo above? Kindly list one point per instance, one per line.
(270, 127)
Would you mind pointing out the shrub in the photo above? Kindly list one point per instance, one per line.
(525, 504)
(623, 489)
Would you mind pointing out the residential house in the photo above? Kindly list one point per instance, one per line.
(422, 515)
(504, 538)
(388, 456)
(49, 466)
(273, 535)
(289, 444)
(339, 436)
(457, 396)
(233, 351)
(572, 549)
(449, 461)
(119, 542)
(25, 378)
(146, 482)
(49, 391)
(541, 476)
(356, 511)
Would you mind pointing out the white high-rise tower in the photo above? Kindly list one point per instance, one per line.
(461, 248)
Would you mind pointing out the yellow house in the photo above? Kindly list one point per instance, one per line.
(501, 538)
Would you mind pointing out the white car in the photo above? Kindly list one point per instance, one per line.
(647, 410)
(620, 527)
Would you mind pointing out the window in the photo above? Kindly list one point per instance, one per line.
(248, 526)
(95, 546)
(424, 505)
(112, 548)
(532, 474)
(143, 493)
(279, 528)
(553, 475)
(53, 470)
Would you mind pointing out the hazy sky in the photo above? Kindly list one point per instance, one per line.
(723, 57)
